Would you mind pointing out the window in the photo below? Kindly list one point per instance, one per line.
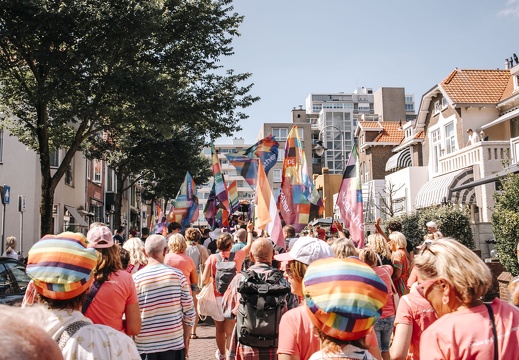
(1, 145)
(436, 149)
(69, 174)
(277, 175)
(450, 138)
(409, 107)
(54, 158)
(88, 168)
(408, 132)
(280, 134)
(445, 103)
(436, 107)
(98, 171)
(300, 133)
(281, 154)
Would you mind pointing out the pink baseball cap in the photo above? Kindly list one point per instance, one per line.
(100, 237)
(307, 249)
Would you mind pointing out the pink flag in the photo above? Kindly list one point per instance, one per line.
(349, 200)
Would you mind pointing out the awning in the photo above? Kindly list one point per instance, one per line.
(441, 189)
(488, 179)
(500, 119)
(78, 219)
(400, 160)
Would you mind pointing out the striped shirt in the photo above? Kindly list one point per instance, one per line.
(165, 303)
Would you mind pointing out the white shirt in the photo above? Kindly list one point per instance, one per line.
(474, 138)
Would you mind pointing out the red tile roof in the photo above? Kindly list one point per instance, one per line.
(369, 125)
(476, 86)
(392, 133)
(420, 135)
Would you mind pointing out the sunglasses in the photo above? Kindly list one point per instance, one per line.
(423, 287)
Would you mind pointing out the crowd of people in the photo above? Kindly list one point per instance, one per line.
(317, 297)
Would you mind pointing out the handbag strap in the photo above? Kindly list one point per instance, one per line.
(393, 288)
(96, 285)
(494, 332)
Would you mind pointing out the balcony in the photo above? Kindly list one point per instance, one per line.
(488, 154)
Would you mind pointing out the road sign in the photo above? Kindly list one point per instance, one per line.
(6, 195)
(22, 206)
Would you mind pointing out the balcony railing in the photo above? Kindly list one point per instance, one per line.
(483, 153)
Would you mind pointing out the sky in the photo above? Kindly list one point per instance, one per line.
(297, 47)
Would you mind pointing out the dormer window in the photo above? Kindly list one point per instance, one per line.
(408, 132)
(436, 107)
(445, 103)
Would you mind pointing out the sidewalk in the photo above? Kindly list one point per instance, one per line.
(204, 347)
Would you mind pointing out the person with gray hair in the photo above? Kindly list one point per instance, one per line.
(433, 232)
(164, 298)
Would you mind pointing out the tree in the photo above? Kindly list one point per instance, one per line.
(71, 69)
(505, 222)
(387, 196)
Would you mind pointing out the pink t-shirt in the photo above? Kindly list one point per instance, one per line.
(384, 272)
(211, 261)
(415, 311)
(182, 262)
(467, 334)
(296, 334)
(110, 301)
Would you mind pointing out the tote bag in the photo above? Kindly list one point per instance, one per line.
(207, 305)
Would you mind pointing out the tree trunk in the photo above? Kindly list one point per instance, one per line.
(46, 204)
(118, 199)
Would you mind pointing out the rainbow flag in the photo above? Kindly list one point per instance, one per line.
(349, 200)
(266, 150)
(185, 205)
(247, 167)
(267, 215)
(234, 202)
(160, 226)
(297, 192)
(219, 181)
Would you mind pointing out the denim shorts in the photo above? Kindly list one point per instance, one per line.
(383, 330)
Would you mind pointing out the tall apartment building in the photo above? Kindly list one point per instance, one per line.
(334, 118)
(245, 192)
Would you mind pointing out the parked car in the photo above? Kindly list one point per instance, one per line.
(13, 281)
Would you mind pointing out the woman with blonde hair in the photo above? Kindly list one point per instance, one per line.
(401, 272)
(378, 243)
(177, 258)
(453, 279)
(11, 248)
(138, 258)
(344, 248)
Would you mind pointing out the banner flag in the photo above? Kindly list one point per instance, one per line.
(247, 167)
(266, 150)
(219, 181)
(211, 207)
(185, 206)
(267, 215)
(234, 201)
(297, 191)
(349, 200)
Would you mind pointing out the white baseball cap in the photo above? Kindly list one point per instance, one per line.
(307, 249)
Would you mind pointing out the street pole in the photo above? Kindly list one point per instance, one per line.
(3, 229)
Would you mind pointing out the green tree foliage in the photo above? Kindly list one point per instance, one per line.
(505, 222)
(452, 220)
(70, 69)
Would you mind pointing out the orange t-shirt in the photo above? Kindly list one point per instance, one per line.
(110, 301)
(467, 334)
(211, 261)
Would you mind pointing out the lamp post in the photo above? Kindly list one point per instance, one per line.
(320, 149)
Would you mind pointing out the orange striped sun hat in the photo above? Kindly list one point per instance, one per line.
(61, 266)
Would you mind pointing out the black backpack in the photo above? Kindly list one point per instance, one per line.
(263, 299)
(225, 272)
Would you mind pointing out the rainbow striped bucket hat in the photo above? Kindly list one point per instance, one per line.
(344, 297)
(61, 266)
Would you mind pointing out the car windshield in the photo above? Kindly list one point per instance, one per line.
(19, 273)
